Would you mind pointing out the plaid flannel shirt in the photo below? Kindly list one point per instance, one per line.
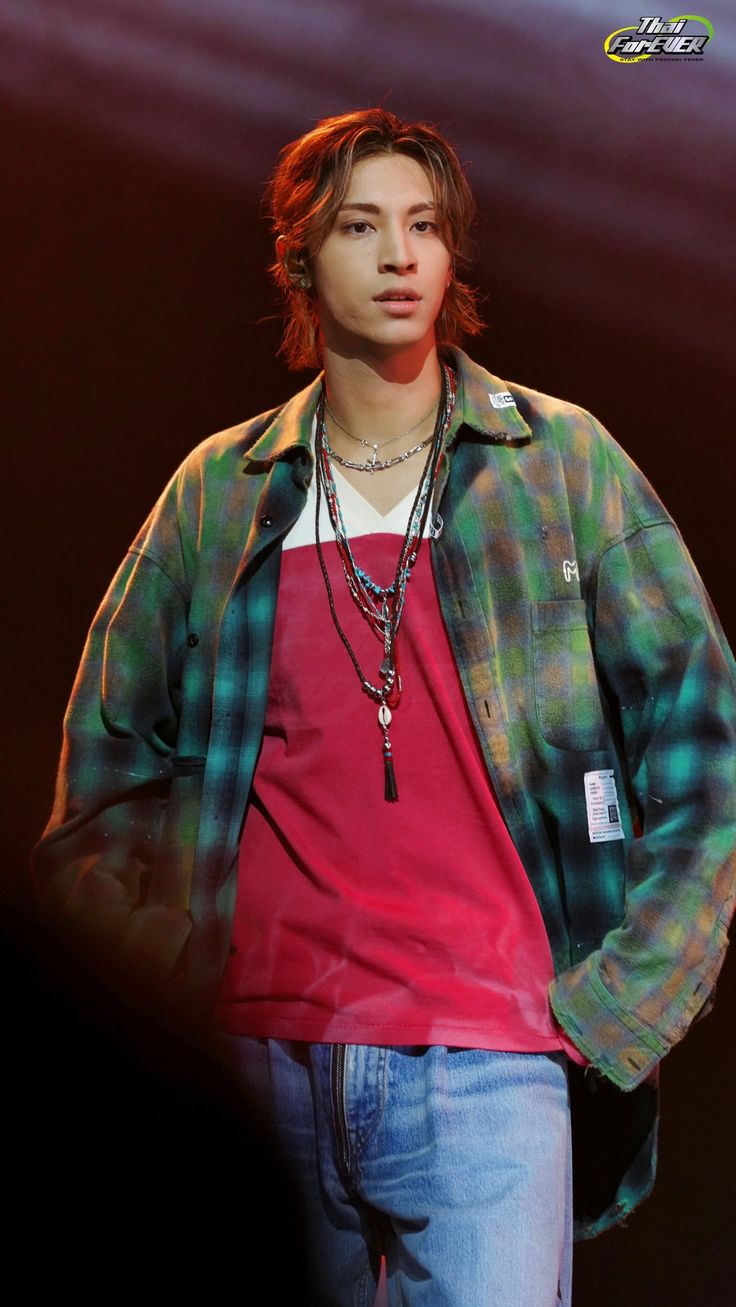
(585, 642)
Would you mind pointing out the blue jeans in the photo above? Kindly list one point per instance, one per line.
(452, 1163)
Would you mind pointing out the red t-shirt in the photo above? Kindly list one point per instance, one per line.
(358, 920)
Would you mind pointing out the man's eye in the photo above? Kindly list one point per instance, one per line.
(425, 225)
(359, 227)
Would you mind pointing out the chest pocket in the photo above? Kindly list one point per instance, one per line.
(566, 692)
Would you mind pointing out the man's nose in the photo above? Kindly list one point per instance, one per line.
(396, 253)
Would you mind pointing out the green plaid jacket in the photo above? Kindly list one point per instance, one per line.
(585, 641)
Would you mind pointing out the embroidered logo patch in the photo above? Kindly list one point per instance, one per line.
(570, 569)
(502, 400)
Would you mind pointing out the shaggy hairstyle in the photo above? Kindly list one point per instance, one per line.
(306, 190)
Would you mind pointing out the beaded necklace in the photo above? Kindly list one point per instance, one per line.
(381, 606)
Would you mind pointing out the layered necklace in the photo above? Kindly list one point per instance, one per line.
(376, 464)
(381, 606)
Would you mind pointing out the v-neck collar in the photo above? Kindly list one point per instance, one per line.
(394, 520)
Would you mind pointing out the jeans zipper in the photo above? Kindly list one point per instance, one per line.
(337, 1085)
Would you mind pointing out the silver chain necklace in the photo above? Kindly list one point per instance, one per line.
(376, 464)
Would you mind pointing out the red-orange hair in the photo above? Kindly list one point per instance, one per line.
(306, 190)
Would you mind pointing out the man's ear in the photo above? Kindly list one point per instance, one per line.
(293, 264)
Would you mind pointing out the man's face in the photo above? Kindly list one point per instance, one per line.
(382, 272)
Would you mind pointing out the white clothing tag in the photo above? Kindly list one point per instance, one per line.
(601, 800)
(504, 399)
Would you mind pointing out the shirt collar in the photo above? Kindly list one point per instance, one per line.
(483, 403)
(291, 427)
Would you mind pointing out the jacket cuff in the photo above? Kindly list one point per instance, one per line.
(613, 1040)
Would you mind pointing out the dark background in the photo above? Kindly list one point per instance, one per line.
(136, 139)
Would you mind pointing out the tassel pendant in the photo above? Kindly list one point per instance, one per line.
(390, 788)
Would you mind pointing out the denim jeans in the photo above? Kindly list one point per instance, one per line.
(452, 1163)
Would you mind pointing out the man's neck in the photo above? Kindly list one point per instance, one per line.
(380, 397)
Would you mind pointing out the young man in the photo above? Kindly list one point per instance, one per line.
(404, 742)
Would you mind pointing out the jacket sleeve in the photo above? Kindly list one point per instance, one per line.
(666, 667)
(94, 862)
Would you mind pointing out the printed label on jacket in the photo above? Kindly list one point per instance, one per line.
(502, 399)
(601, 801)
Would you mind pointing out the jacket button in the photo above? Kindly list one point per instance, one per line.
(192, 640)
(266, 520)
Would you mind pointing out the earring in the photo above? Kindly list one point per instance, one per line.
(303, 283)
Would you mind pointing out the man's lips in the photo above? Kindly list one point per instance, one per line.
(396, 296)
